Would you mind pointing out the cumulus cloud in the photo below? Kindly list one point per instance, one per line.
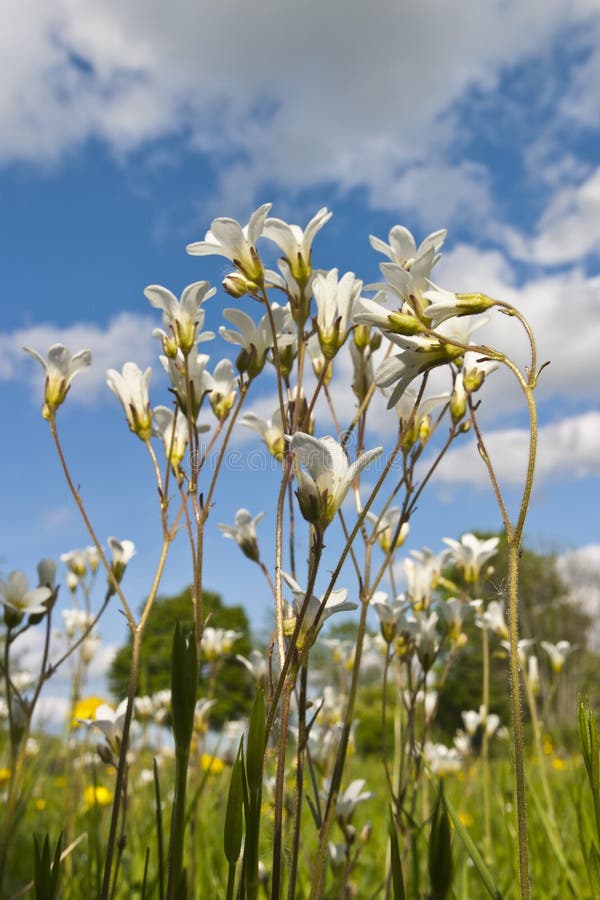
(570, 448)
(292, 95)
(569, 228)
(125, 337)
(564, 314)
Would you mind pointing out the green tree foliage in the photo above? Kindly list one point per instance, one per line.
(233, 686)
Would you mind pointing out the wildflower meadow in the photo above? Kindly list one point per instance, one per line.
(331, 756)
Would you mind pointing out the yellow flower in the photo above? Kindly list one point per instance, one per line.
(97, 795)
(558, 764)
(211, 764)
(85, 709)
(466, 818)
(40, 804)
(5, 775)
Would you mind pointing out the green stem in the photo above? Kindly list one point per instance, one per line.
(485, 756)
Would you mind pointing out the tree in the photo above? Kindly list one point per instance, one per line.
(233, 688)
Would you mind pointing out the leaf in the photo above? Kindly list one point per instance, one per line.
(397, 880)
(594, 871)
(440, 863)
(478, 861)
(234, 816)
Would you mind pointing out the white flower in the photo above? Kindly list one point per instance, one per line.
(316, 357)
(93, 558)
(558, 653)
(322, 489)
(47, 573)
(131, 388)
(188, 380)
(60, 367)
(426, 638)
(421, 419)
(295, 243)
(387, 526)
(470, 553)
(110, 722)
(335, 301)
(389, 613)
(76, 561)
(408, 275)
(445, 304)
(523, 647)
(474, 370)
(422, 353)
(144, 707)
(16, 596)
(533, 674)
(423, 569)
(256, 340)
(76, 620)
(402, 248)
(88, 647)
(271, 431)
(221, 387)
(442, 760)
(244, 533)
(454, 611)
(336, 602)
(72, 581)
(217, 642)
(183, 318)
(349, 800)
(396, 321)
(201, 711)
(174, 431)
(226, 237)
(493, 619)
(122, 551)
(257, 665)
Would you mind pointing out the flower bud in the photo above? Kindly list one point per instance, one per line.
(458, 401)
(404, 323)
(361, 336)
(237, 285)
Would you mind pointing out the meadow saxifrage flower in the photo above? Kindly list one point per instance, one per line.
(256, 339)
(226, 237)
(324, 475)
(244, 533)
(295, 243)
(60, 367)
(558, 653)
(470, 553)
(122, 552)
(131, 388)
(336, 602)
(221, 387)
(335, 299)
(183, 318)
(19, 600)
(175, 433)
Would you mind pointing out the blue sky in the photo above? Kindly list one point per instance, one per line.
(126, 127)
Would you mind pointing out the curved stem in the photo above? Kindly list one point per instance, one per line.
(75, 494)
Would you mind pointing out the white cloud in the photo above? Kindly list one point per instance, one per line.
(566, 449)
(125, 337)
(290, 94)
(564, 314)
(569, 228)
